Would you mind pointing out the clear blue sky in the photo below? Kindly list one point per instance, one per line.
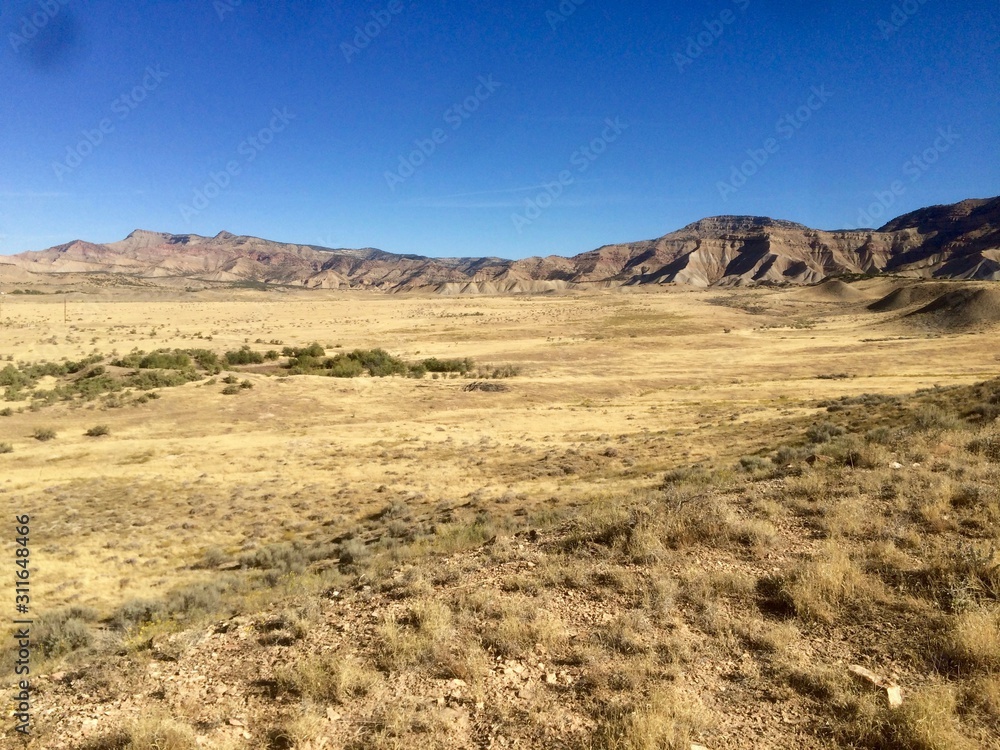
(182, 91)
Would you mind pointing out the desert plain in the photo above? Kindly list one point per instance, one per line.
(663, 517)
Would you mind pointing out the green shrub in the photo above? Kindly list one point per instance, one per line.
(378, 362)
(447, 365)
(6, 412)
(231, 390)
(44, 434)
(246, 385)
(244, 356)
(6, 448)
(313, 350)
(145, 381)
(342, 366)
(12, 377)
(98, 430)
(161, 359)
(205, 359)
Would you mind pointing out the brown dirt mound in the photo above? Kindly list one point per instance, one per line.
(832, 290)
(908, 296)
(962, 308)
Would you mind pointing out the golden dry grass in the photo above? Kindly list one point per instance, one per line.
(667, 457)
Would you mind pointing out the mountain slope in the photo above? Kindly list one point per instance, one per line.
(960, 241)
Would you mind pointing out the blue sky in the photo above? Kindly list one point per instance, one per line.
(521, 128)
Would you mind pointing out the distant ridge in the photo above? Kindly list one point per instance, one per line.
(959, 241)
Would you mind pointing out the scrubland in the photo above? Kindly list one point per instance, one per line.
(678, 520)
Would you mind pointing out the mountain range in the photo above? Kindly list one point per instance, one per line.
(957, 241)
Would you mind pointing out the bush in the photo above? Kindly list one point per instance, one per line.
(231, 390)
(328, 678)
(755, 463)
(988, 447)
(824, 432)
(64, 631)
(197, 598)
(286, 557)
(161, 359)
(505, 371)
(343, 367)
(6, 412)
(136, 612)
(378, 362)
(447, 365)
(246, 385)
(6, 448)
(98, 430)
(244, 356)
(145, 381)
(44, 434)
(931, 417)
(314, 350)
(205, 359)
(353, 551)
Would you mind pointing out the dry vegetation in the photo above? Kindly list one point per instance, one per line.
(681, 523)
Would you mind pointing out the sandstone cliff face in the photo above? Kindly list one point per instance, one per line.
(960, 241)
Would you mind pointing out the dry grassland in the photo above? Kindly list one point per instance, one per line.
(627, 548)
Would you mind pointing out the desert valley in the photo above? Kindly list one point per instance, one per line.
(736, 487)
